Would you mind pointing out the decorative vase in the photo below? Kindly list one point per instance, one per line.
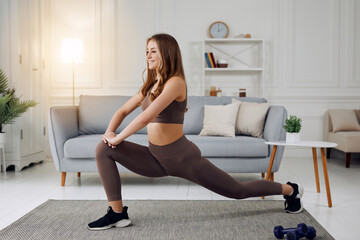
(292, 137)
(2, 138)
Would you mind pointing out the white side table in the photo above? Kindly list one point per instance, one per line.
(313, 145)
(2, 146)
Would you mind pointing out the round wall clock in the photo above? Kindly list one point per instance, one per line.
(218, 30)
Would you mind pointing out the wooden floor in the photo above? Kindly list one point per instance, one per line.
(20, 192)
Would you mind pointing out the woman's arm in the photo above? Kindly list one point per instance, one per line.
(125, 110)
(172, 90)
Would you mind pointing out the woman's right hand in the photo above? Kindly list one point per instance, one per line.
(108, 134)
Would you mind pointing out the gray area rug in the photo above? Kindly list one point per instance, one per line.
(161, 219)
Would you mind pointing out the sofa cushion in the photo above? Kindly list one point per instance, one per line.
(210, 146)
(219, 120)
(250, 118)
(344, 120)
(240, 146)
(95, 113)
(78, 147)
(194, 117)
(347, 141)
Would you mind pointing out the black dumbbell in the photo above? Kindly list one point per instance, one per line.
(295, 233)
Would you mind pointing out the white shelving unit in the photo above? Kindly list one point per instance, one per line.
(242, 54)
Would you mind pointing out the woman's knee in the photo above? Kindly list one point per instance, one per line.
(101, 150)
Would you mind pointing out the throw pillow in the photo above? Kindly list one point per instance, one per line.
(251, 117)
(219, 120)
(344, 120)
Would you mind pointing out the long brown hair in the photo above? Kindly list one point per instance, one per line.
(170, 66)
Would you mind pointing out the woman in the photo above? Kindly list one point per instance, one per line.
(163, 98)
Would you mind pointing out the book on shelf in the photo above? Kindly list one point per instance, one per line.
(210, 60)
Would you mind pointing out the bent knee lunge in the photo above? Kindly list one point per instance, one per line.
(101, 149)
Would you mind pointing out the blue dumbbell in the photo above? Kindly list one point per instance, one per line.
(295, 233)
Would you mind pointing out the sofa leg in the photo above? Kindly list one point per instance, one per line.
(78, 174)
(272, 176)
(328, 153)
(348, 157)
(63, 178)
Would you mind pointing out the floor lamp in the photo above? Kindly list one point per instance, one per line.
(72, 52)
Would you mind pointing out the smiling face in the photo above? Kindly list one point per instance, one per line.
(153, 55)
(163, 60)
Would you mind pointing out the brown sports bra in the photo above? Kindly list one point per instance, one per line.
(174, 113)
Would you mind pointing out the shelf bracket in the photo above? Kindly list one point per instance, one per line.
(233, 56)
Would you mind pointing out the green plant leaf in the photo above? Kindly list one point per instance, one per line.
(11, 106)
(292, 124)
(3, 82)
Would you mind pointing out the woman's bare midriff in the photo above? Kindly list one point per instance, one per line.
(164, 133)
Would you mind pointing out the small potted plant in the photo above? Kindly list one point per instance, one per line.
(292, 128)
(10, 105)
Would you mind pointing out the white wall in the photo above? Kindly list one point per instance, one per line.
(312, 49)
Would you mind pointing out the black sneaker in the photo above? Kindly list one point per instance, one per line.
(111, 219)
(293, 202)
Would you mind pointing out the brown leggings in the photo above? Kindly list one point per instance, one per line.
(181, 158)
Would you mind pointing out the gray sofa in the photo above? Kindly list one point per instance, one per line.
(74, 133)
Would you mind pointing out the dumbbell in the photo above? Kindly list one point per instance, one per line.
(295, 233)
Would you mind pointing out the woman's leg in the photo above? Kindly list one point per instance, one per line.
(204, 173)
(183, 159)
(287, 190)
(135, 157)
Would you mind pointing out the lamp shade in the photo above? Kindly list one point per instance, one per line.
(72, 50)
